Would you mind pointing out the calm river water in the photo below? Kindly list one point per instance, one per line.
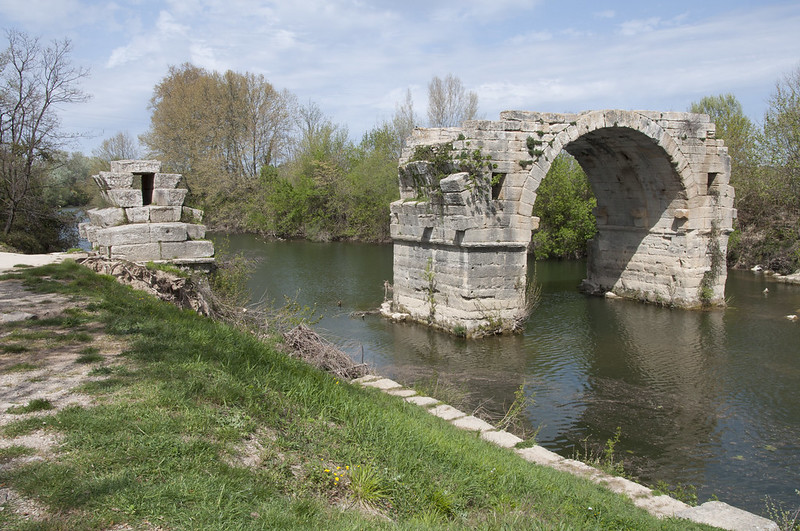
(710, 399)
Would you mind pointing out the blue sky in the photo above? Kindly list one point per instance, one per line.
(356, 58)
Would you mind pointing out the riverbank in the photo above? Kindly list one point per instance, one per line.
(190, 423)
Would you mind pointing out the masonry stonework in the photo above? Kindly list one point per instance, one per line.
(664, 213)
(147, 221)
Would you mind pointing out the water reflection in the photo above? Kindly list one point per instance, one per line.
(708, 398)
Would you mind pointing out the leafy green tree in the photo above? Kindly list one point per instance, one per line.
(734, 128)
(70, 183)
(765, 174)
(564, 204)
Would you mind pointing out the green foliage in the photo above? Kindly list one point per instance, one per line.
(446, 160)
(430, 289)
(229, 280)
(717, 267)
(564, 204)
(513, 417)
(765, 172)
(332, 189)
(69, 183)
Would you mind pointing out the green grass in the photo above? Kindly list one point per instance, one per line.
(89, 355)
(38, 404)
(14, 451)
(167, 444)
(22, 367)
(13, 348)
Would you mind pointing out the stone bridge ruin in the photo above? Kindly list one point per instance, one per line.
(147, 220)
(463, 224)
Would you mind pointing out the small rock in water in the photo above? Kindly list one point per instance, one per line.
(757, 268)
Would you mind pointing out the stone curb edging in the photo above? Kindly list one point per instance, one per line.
(713, 513)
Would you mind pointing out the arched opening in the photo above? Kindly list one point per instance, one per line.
(636, 187)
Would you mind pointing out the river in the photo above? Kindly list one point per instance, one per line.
(710, 399)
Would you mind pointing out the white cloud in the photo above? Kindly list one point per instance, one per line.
(356, 57)
(630, 28)
(47, 13)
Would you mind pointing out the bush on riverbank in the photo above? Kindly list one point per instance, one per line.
(198, 425)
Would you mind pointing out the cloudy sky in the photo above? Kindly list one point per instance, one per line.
(356, 58)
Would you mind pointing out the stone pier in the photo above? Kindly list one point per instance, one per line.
(463, 223)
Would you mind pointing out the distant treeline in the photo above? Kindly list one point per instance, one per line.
(257, 161)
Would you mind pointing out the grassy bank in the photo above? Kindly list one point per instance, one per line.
(199, 426)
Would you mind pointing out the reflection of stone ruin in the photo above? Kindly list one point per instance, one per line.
(148, 221)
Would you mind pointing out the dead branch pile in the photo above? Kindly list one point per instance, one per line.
(180, 291)
(322, 354)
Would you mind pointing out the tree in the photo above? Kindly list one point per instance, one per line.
(449, 105)
(219, 130)
(781, 139)
(403, 122)
(35, 81)
(734, 128)
(564, 204)
(121, 146)
(259, 123)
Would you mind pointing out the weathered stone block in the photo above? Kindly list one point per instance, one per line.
(195, 232)
(167, 232)
(136, 166)
(106, 217)
(125, 198)
(138, 214)
(194, 215)
(166, 180)
(137, 252)
(111, 180)
(457, 182)
(187, 249)
(124, 235)
(165, 214)
(167, 197)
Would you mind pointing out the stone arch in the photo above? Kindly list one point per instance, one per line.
(664, 211)
(585, 130)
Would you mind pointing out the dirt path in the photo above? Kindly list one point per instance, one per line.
(9, 260)
(41, 364)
